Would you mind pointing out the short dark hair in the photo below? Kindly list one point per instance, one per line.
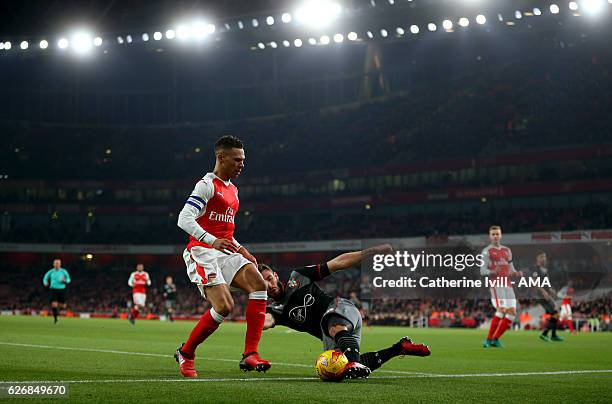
(540, 252)
(264, 267)
(228, 142)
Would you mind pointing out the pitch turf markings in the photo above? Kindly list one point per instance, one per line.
(404, 375)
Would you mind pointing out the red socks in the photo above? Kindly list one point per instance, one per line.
(134, 313)
(570, 325)
(207, 324)
(503, 326)
(255, 317)
(493, 327)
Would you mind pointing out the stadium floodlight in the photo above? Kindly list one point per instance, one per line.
(464, 22)
(500, 17)
(298, 43)
(24, 45)
(255, 23)
(145, 37)
(1, 45)
(432, 27)
(261, 45)
(324, 40)
(183, 32)
(170, 34)
(415, 29)
(338, 38)
(573, 5)
(318, 13)
(157, 36)
(370, 34)
(518, 15)
(128, 39)
(592, 7)
(481, 19)
(554, 9)
(8, 45)
(537, 11)
(97, 41)
(286, 18)
(240, 25)
(352, 36)
(383, 33)
(200, 29)
(400, 31)
(447, 25)
(312, 41)
(286, 43)
(43, 44)
(270, 20)
(62, 43)
(81, 42)
(120, 40)
(273, 45)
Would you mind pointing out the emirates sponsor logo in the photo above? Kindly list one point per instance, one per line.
(227, 217)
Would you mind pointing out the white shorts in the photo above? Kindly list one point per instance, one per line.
(503, 298)
(210, 267)
(566, 311)
(139, 299)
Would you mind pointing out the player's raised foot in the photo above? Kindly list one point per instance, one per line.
(355, 370)
(495, 343)
(544, 338)
(557, 338)
(407, 347)
(486, 343)
(186, 366)
(252, 361)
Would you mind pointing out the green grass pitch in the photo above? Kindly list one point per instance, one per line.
(117, 362)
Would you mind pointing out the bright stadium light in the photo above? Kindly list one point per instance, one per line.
(8, 45)
(338, 38)
(592, 7)
(537, 11)
(183, 32)
(97, 41)
(554, 8)
(255, 23)
(261, 45)
(464, 22)
(324, 40)
(200, 29)
(352, 36)
(128, 39)
(573, 5)
(157, 36)
(62, 43)
(286, 18)
(432, 27)
(518, 15)
(273, 45)
(170, 34)
(312, 41)
(415, 29)
(240, 25)
(286, 43)
(400, 31)
(370, 34)
(383, 33)
(270, 20)
(43, 44)
(81, 42)
(481, 19)
(447, 24)
(1, 45)
(24, 45)
(145, 37)
(318, 13)
(120, 40)
(298, 43)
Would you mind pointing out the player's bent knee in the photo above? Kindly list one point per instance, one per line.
(224, 307)
(255, 281)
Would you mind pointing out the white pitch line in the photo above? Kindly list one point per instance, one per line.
(406, 375)
(112, 351)
(275, 379)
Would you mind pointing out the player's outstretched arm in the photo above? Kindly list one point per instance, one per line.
(269, 321)
(349, 260)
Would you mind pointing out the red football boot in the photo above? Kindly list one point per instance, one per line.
(186, 366)
(252, 361)
(407, 347)
(356, 370)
